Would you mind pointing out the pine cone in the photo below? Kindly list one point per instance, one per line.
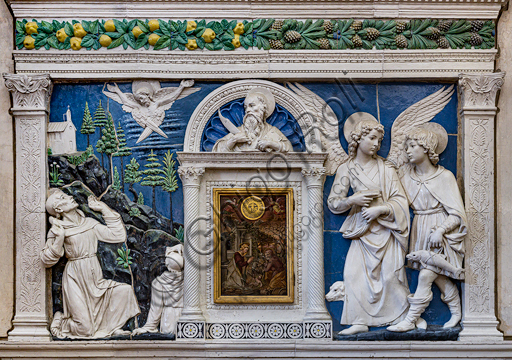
(356, 41)
(292, 36)
(401, 26)
(328, 27)
(444, 26)
(276, 44)
(401, 41)
(372, 33)
(324, 43)
(277, 25)
(356, 25)
(435, 33)
(476, 25)
(475, 39)
(443, 43)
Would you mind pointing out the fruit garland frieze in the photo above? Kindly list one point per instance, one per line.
(264, 34)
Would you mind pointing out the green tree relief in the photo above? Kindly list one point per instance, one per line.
(100, 120)
(133, 176)
(170, 182)
(122, 151)
(153, 175)
(88, 127)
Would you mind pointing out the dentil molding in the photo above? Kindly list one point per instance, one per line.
(244, 64)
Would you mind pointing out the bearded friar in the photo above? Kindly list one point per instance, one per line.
(255, 134)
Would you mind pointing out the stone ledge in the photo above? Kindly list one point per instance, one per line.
(305, 349)
(249, 9)
(273, 64)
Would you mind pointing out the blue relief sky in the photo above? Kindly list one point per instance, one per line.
(384, 100)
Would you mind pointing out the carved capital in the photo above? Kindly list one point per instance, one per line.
(314, 176)
(190, 175)
(29, 92)
(479, 91)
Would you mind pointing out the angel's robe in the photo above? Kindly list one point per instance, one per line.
(93, 307)
(268, 133)
(436, 201)
(376, 287)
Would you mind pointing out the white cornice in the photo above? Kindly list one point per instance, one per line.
(251, 9)
(280, 64)
(251, 160)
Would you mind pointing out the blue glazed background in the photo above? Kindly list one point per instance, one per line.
(385, 101)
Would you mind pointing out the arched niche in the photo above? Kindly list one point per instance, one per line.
(239, 89)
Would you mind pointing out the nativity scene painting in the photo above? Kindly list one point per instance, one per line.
(254, 246)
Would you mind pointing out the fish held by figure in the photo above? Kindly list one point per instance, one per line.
(430, 258)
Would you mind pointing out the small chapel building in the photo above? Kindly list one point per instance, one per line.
(62, 135)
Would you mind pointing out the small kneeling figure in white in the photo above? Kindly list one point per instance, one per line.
(166, 295)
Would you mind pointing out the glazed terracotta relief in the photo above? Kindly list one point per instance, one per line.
(392, 222)
(266, 34)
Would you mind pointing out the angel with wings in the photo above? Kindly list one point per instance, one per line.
(376, 289)
(149, 101)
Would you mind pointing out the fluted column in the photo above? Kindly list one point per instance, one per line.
(478, 99)
(191, 179)
(316, 310)
(30, 97)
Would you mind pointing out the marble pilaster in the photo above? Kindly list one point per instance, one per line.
(30, 96)
(316, 310)
(478, 111)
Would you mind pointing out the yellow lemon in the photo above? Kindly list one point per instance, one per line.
(76, 43)
(29, 42)
(208, 35)
(61, 35)
(191, 44)
(239, 28)
(191, 25)
(154, 25)
(105, 40)
(78, 30)
(31, 27)
(153, 38)
(110, 26)
(136, 31)
(236, 41)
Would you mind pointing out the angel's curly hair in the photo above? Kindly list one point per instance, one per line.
(363, 128)
(426, 139)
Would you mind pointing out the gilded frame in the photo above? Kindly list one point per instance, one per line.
(218, 298)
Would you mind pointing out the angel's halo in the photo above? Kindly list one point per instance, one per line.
(152, 86)
(442, 135)
(353, 120)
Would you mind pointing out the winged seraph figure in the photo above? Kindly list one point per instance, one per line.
(327, 122)
(148, 102)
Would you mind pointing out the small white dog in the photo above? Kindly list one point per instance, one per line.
(336, 292)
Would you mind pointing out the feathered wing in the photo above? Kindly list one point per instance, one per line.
(414, 116)
(326, 122)
(169, 92)
(128, 106)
